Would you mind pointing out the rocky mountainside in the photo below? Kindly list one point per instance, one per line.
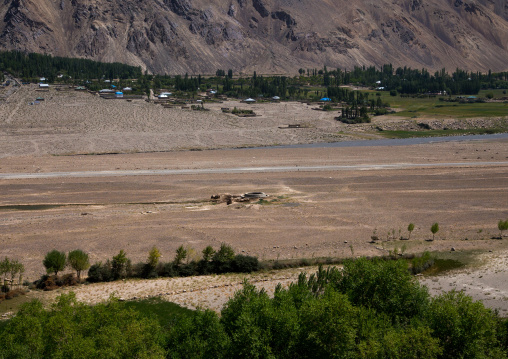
(269, 36)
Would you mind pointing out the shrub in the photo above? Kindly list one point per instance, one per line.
(14, 293)
(380, 112)
(352, 121)
(168, 270)
(393, 93)
(245, 264)
(69, 280)
(421, 263)
(100, 272)
(187, 270)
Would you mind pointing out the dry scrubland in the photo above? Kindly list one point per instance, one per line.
(321, 213)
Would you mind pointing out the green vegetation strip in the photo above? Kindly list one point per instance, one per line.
(369, 309)
(439, 133)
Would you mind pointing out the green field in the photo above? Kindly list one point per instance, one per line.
(410, 107)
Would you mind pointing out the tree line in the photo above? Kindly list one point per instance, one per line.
(32, 66)
(185, 263)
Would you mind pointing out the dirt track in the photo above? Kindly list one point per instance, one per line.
(314, 213)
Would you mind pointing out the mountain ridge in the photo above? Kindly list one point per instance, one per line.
(268, 36)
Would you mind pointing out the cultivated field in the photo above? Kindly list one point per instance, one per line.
(310, 213)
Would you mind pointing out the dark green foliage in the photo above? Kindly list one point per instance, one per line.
(466, 329)
(421, 263)
(32, 66)
(223, 258)
(119, 265)
(168, 314)
(370, 309)
(208, 252)
(385, 286)
(198, 336)
(245, 264)
(54, 261)
(73, 330)
(99, 272)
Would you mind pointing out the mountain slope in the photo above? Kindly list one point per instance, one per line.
(269, 36)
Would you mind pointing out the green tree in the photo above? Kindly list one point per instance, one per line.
(16, 267)
(434, 229)
(223, 258)
(79, 261)
(181, 254)
(208, 252)
(119, 265)
(153, 257)
(54, 261)
(198, 336)
(410, 229)
(502, 226)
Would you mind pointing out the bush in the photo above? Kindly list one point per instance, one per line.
(100, 273)
(168, 270)
(187, 270)
(380, 112)
(352, 121)
(14, 293)
(393, 93)
(421, 263)
(69, 280)
(245, 264)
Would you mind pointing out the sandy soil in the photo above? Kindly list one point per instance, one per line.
(321, 213)
(69, 122)
(206, 292)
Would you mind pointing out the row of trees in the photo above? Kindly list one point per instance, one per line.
(32, 66)
(185, 263)
(370, 309)
(56, 261)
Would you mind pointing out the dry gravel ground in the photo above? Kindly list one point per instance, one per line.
(314, 213)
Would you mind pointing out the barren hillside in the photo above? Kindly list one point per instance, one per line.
(270, 36)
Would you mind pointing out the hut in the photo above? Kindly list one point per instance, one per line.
(119, 94)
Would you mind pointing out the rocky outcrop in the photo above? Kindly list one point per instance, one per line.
(267, 36)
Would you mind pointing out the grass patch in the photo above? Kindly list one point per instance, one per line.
(439, 133)
(442, 265)
(167, 313)
(431, 106)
